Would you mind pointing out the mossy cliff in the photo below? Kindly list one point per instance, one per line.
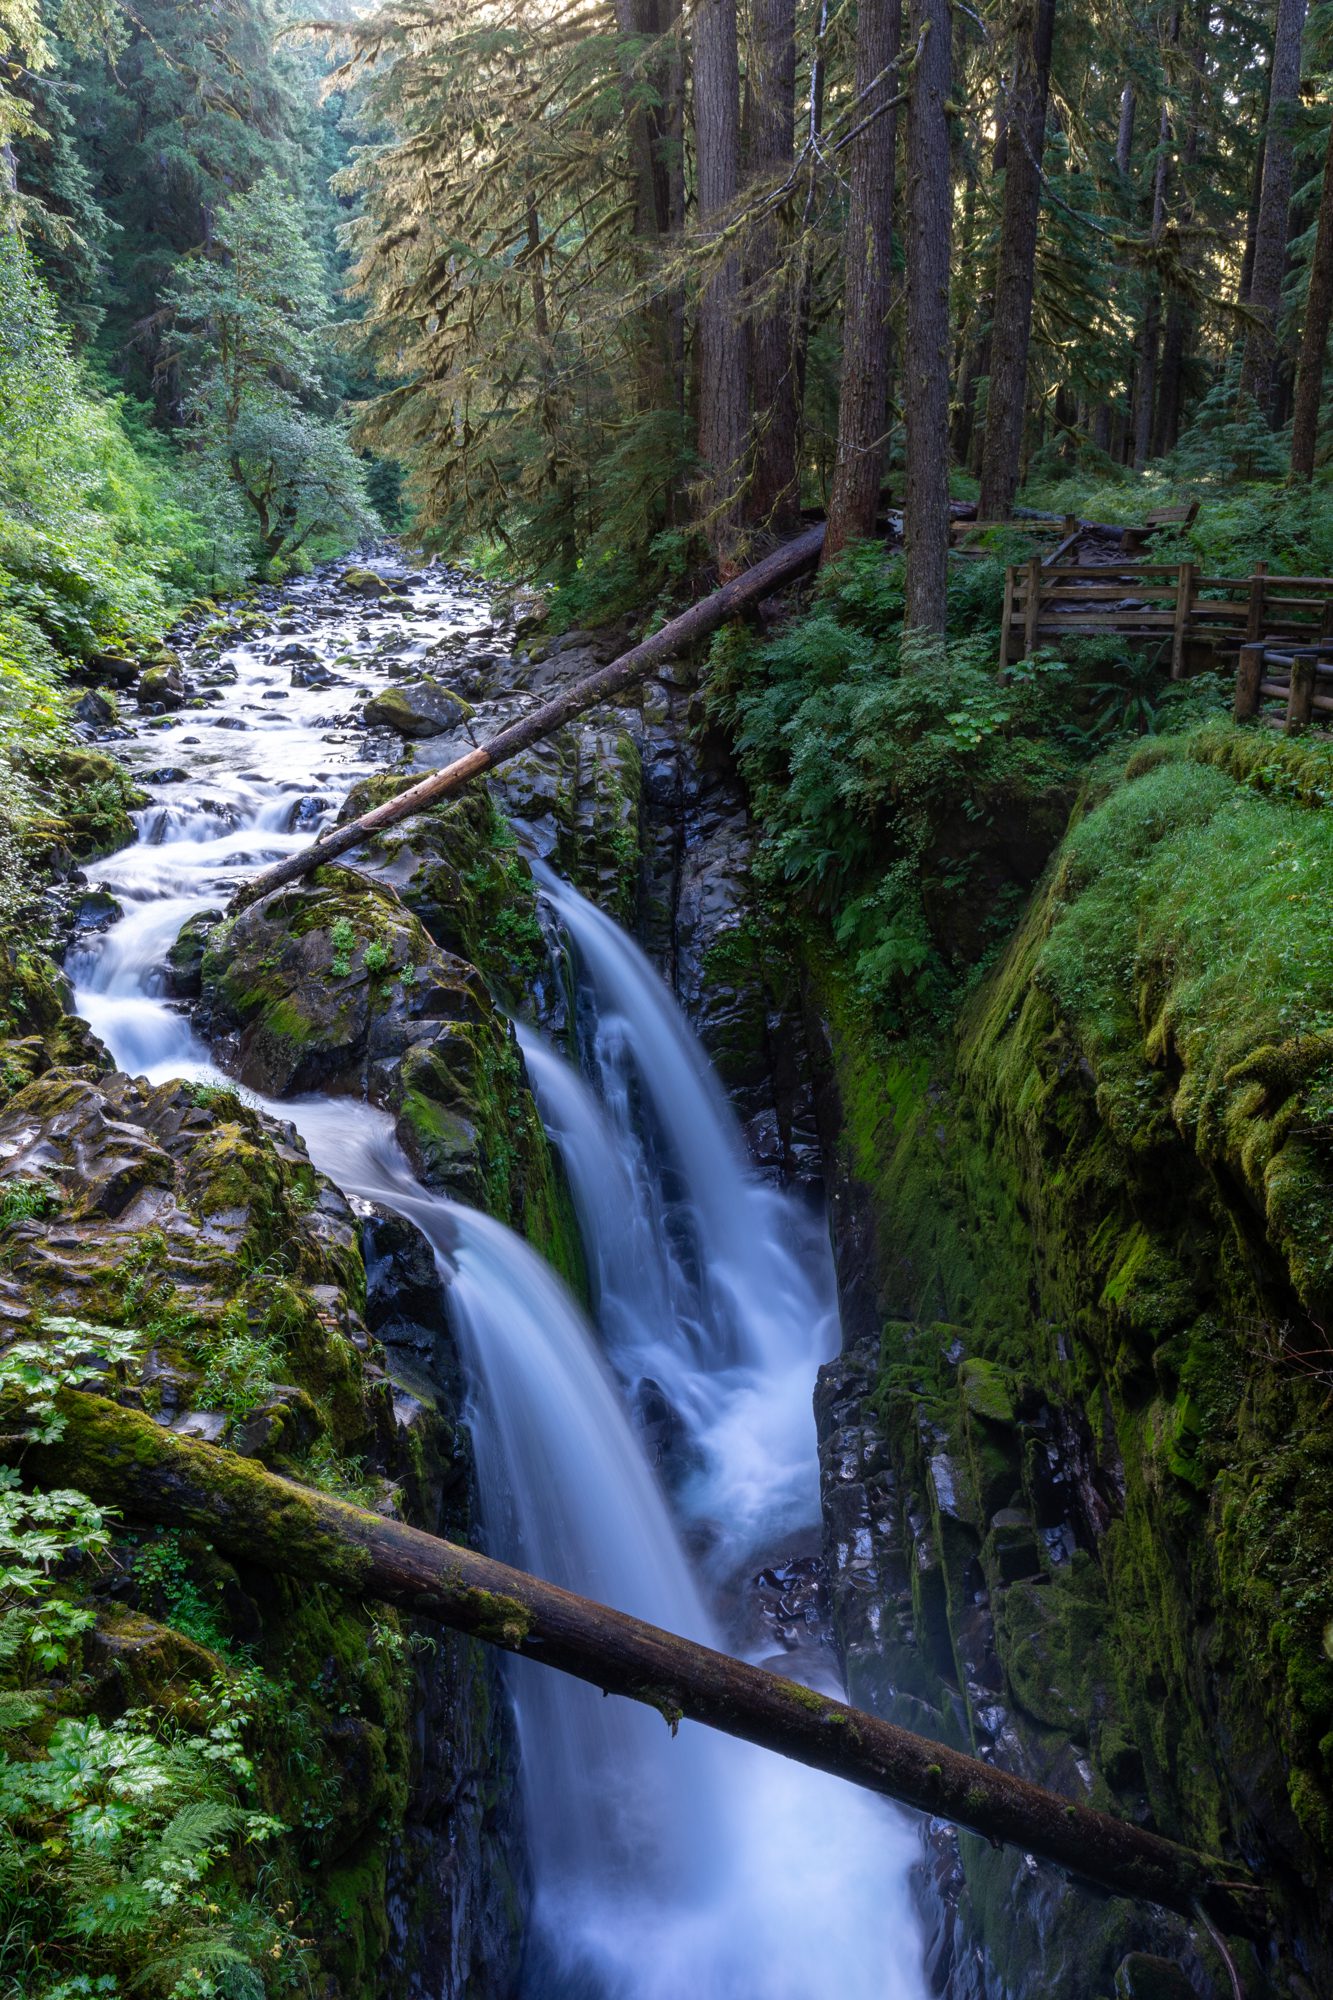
(1082, 1422)
(361, 1771)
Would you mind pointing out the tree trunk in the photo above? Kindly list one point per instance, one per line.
(1145, 387)
(773, 499)
(1270, 237)
(1015, 273)
(781, 567)
(926, 370)
(1314, 338)
(723, 376)
(122, 1458)
(1124, 138)
(868, 283)
(644, 96)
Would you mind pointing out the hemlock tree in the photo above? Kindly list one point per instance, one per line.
(926, 363)
(248, 317)
(1270, 240)
(1015, 276)
(867, 282)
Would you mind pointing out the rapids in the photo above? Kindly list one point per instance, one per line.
(664, 1868)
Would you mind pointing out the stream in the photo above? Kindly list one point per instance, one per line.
(656, 1457)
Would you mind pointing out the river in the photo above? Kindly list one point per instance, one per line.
(665, 1867)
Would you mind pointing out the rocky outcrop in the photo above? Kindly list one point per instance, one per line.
(1072, 1486)
(184, 1217)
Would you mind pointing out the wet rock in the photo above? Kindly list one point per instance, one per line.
(317, 985)
(162, 688)
(97, 711)
(313, 673)
(186, 957)
(97, 911)
(1141, 1975)
(365, 583)
(169, 774)
(416, 709)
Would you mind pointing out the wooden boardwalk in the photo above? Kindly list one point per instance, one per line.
(1195, 620)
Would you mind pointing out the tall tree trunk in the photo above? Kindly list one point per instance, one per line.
(1145, 388)
(868, 283)
(723, 375)
(1124, 138)
(1180, 317)
(926, 372)
(1314, 338)
(1015, 274)
(773, 500)
(1270, 239)
(644, 97)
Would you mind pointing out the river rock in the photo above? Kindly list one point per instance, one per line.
(162, 687)
(112, 669)
(416, 709)
(365, 583)
(97, 711)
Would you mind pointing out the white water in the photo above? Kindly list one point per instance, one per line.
(690, 1868)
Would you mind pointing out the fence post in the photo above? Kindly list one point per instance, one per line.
(1034, 608)
(1254, 623)
(1007, 620)
(1300, 696)
(1184, 603)
(1249, 673)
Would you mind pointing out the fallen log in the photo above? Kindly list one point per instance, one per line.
(123, 1459)
(781, 567)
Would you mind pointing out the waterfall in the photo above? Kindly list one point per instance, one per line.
(666, 1867)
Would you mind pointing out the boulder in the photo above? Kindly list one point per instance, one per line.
(112, 669)
(312, 673)
(162, 687)
(97, 711)
(325, 985)
(417, 709)
(365, 583)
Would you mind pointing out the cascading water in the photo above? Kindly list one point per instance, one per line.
(663, 1866)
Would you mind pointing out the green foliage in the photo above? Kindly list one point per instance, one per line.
(249, 316)
(39, 1369)
(113, 1838)
(166, 1579)
(26, 1199)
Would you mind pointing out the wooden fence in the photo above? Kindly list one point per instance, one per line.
(1302, 679)
(1171, 605)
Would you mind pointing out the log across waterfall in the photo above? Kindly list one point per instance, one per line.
(124, 1458)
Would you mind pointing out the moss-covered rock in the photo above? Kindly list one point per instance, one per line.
(1114, 1191)
(416, 709)
(183, 1216)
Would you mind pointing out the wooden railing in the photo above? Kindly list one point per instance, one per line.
(1170, 604)
(1301, 678)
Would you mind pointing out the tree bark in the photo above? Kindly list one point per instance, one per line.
(1145, 387)
(1314, 337)
(926, 370)
(1015, 274)
(696, 623)
(1270, 239)
(122, 1458)
(773, 500)
(868, 285)
(723, 376)
(645, 95)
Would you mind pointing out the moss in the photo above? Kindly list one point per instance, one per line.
(1104, 1193)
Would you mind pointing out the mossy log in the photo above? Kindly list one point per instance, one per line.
(124, 1459)
(781, 567)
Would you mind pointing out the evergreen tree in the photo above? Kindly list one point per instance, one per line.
(250, 316)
